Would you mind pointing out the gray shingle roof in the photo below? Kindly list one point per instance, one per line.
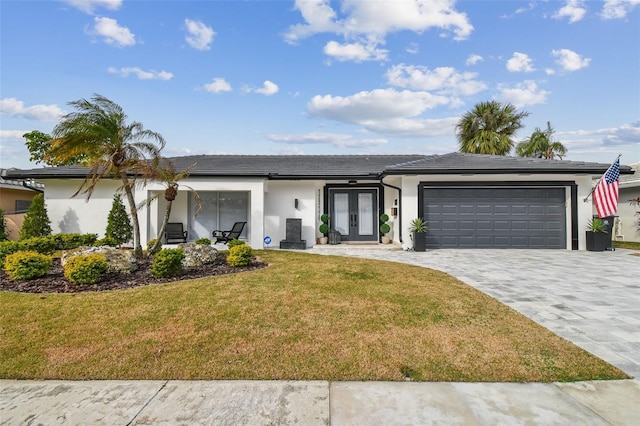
(347, 166)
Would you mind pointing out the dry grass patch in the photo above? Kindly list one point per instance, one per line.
(305, 317)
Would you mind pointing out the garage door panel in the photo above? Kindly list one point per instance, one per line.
(495, 217)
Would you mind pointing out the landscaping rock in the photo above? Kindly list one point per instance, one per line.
(197, 255)
(119, 261)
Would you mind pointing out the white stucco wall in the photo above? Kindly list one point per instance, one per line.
(629, 230)
(76, 215)
(280, 199)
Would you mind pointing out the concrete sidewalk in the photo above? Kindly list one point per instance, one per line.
(317, 403)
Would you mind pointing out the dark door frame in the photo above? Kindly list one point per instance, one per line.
(376, 186)
(573, 191)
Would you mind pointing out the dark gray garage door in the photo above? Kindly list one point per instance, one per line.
(495, 217)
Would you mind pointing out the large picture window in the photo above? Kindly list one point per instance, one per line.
(220, 210)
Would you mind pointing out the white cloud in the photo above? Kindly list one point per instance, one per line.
(569, 60)
(380, 104)
(112, 32)
(199, 36)
(624, 135)
(442, 80)
(88, 6)
(218, 85)
(474, 59)
(520, 62)
(617, 9)
(13, 135)
(355, 52)
(268, 88)
(14, 107)
(373, 20)
(525, 93)
(413, 48)
(413, 128)
(335, 139)
(574, 10)
(140, 73)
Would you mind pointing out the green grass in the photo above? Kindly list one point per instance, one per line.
(632, 245)
(305, 317)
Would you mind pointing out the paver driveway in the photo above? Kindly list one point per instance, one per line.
(590, 298)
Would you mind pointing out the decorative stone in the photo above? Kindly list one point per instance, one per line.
(121, 261)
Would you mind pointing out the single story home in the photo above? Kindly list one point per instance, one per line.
(15, 199)
(468, 200)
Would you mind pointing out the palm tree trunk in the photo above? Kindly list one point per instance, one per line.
(165, 220)
(137, 247)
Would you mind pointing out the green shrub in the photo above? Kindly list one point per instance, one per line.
(167, 263)
(119, 227)
(36, 221)
(106, 241)
(385, 228)
(203, 241)
(26, 265)
(240, 256)
(85, 268)
(46, 245)
(4, 233)
(71, 241)
(150, 244)
(7, 248)
(235, 242)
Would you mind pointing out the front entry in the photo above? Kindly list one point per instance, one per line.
(353, 213)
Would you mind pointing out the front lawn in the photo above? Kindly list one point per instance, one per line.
(305, 317)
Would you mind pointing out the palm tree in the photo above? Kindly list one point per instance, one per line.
(540, 145)
(164, 171)
(98, 128)
(488, 128)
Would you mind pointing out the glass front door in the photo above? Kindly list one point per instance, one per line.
(353, 213)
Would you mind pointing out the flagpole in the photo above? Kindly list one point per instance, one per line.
(597, 183)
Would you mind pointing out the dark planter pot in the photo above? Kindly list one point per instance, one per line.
(419, 241)
(597, 241)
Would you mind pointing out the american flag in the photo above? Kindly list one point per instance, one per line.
(605, 195)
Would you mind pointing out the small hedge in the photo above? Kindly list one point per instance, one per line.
(235, 242)
(240, 255)
(167, 263)
(46, 245)
(27, 265)
(106, 241)
(203, 241)
(85, 268)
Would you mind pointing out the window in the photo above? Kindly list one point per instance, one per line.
(220, 210)
(22, 206)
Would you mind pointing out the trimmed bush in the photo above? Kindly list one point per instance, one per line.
(85, 269)
(150, 244)
(71, 241)
(46, 245)
(240, 256)
(106, 241)
(167, 263)
(203, 241)
(26, 265)
(36, 221)
(235, 242)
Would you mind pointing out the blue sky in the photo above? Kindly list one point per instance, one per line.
(321, 77)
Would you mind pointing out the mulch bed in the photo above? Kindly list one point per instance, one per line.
(55, 282)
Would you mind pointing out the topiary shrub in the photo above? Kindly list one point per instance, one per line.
(36, 221)
(26, 265)
(240, 256)
(119, 227)
(235, 242)
(203, 241)
(85, 269)
(167, 263)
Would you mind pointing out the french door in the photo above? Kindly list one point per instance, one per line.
(353, 213)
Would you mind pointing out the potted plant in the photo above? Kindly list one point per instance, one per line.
(324, 228)
(597, 237)
(385, 228)
(418, 229)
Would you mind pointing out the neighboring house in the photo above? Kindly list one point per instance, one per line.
(628, 229)
(15, 199)
(468, 200)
